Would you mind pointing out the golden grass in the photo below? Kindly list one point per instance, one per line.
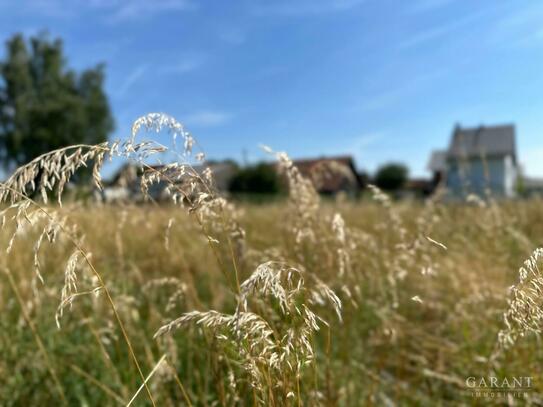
(387, 346)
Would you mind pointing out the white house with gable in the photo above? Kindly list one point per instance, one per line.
(478, 159)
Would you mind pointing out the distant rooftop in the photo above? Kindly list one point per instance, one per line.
(334, 180)
(342, 159)
(483, 141)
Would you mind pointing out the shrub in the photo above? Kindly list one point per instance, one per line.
(391, 177)
(258, 179)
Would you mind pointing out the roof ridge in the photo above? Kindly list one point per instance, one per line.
(483, 139)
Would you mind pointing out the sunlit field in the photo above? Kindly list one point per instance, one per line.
(416, 319)
(208, 301)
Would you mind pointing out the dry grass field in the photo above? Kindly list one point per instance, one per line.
(301, 302)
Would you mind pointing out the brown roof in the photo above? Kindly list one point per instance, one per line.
(330, 174)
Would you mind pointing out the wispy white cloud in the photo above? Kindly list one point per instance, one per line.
(505, 25)
(393, 96)
(302, 7)
(113, 10)
(523, 16)
(361, 143)
(519, 27)
(382, 100)
(207, 118)
(53, 8)
(442, 30)
(131, 79)
(368, 149)
(127, 10)
(185, 65)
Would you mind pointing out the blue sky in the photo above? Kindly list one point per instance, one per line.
(382, 80)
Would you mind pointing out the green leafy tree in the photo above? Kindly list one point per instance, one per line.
(391, 177)
(44, 105)
(258, 179)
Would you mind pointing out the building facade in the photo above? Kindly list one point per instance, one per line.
(479, 160)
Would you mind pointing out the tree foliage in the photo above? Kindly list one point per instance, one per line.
(44, 105)
(258, 179)
(391, 177)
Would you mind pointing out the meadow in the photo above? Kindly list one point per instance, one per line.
(204, 302)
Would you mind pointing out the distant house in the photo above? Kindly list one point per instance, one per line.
(478, 159)
(126, 183)
(331, 175)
